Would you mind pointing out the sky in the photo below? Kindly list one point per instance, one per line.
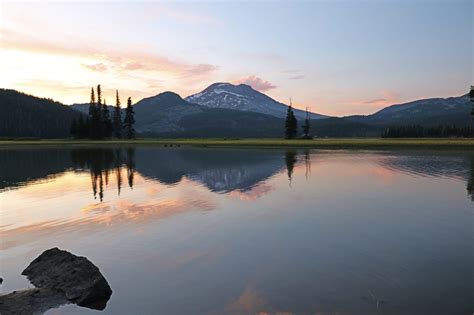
(335, 57)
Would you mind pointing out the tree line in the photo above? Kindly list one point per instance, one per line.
(99, 124)
(417, 131)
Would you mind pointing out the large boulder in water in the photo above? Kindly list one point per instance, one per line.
(31, 301)
(79, 279)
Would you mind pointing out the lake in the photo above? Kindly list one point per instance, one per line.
(182, 230)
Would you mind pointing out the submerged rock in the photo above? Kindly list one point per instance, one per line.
(75, 276)
(31, 301)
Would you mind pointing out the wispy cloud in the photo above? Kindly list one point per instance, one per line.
(368, 106)
(388, 98)
(297, 77)
(376, 101)
(256, 83)
(99, 67)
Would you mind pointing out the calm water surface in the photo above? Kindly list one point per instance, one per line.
(243, 231)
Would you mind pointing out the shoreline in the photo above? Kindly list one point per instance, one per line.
(326, 143)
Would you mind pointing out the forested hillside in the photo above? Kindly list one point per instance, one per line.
(24, 115)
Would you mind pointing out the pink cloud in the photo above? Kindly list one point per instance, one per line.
(256, 83)
(134, 65)
(201, 69)
(121, 60)
(99, 67)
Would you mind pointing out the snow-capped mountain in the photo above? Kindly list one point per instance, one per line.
(244, 98)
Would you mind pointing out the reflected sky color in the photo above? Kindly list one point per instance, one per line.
(258, 231)
(338, 58)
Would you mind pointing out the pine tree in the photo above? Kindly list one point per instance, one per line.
(93, 123)
(291, 124)
(306, 125)
(106, 121)
(117, 121)
(471, 96)
(99, 120)
(129, 120)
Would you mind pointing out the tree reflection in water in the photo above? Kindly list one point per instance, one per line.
(101, 162)
(470, 181)
(290, 160)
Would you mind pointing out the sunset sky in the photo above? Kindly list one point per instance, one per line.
(337, 57)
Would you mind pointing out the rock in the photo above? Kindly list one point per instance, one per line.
(31, 301)
(78, 278)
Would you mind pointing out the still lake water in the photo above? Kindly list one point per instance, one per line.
(243, 231)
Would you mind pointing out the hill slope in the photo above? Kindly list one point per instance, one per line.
(425, 112)
(25, 115)
(243, 98)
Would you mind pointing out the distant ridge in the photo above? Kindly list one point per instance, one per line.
(424, 112)
(169, 115)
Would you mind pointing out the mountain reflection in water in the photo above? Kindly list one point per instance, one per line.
(220, 170)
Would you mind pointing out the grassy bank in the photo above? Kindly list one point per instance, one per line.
(372, 143)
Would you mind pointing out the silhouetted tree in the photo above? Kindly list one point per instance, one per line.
(99, 120)
(306, 125)
(471, 96)
(291, 124)
(129, 120)
(106, 121)
(93, 117)
(117, 117)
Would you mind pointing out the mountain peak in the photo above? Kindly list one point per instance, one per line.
(165, 99)
(168, 95)
(244, 98)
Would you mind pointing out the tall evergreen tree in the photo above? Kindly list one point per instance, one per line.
(306, 125)
(117, 120)
(471, 96)
(291, 124)
(129, 120)
(92, 116)
(99, 119)
(106, 121)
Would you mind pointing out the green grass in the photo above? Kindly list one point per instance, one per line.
(333, 143)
